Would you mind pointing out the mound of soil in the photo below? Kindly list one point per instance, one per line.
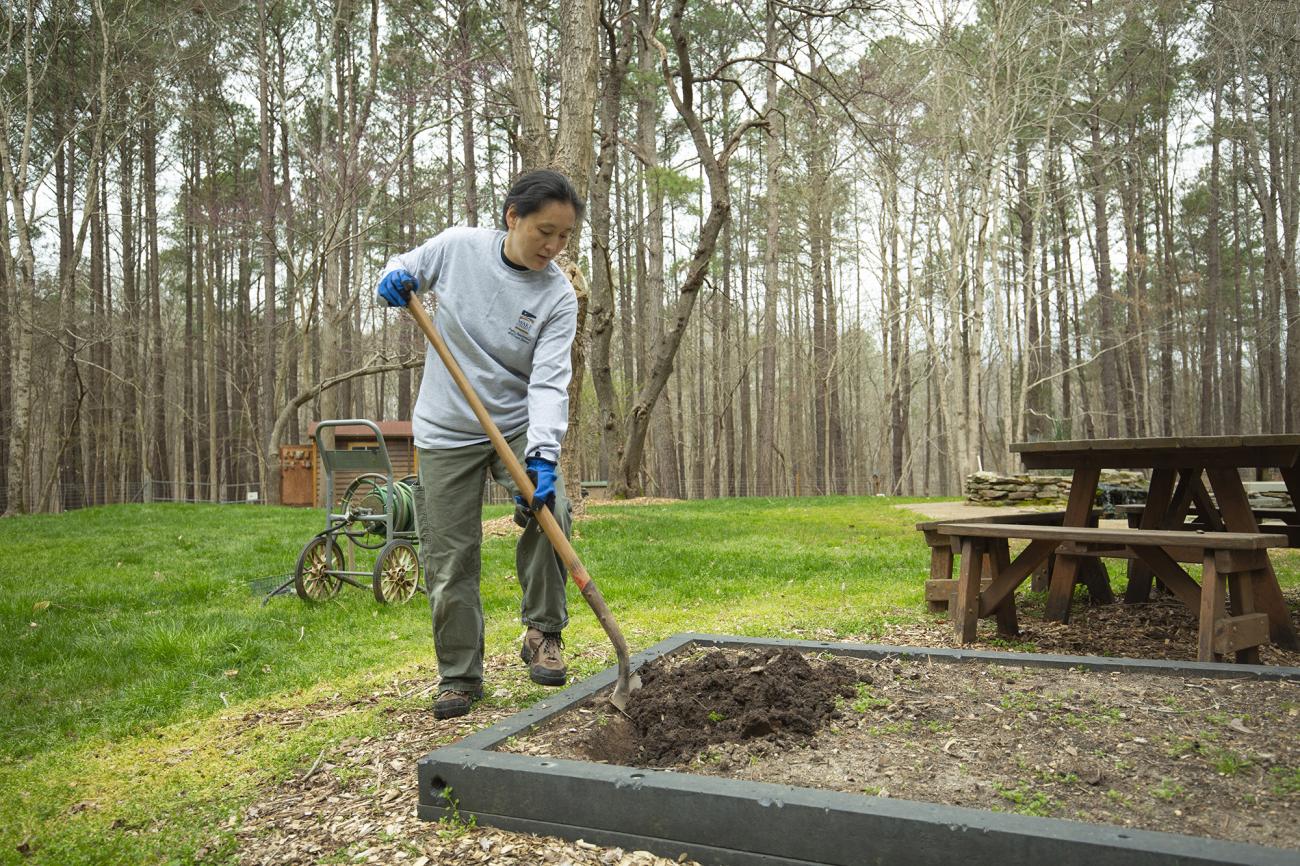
(713, 698)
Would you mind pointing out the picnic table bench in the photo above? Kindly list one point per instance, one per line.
(941, 587)
(1235, 572)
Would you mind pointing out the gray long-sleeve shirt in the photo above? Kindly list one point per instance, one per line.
(510, 331)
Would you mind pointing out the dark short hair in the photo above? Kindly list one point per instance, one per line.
(535, 188)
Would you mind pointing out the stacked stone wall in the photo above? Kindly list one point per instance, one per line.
(989, 488)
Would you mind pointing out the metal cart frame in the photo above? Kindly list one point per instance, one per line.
(322, 565)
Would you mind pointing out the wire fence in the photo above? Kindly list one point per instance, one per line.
(69, 497)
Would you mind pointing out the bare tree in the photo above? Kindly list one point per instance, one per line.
(682, 85)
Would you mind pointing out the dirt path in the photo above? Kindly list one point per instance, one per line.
(961, 510)
(967, 511)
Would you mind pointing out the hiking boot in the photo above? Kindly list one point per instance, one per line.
(452, 703)
(541, 651)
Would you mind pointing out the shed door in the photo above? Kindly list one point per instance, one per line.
(295, 475)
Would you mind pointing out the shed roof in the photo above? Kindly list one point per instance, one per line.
(390, 429)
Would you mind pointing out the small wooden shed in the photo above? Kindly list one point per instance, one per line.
(398, 439)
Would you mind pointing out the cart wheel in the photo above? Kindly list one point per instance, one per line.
(397, 572)
(312, 579)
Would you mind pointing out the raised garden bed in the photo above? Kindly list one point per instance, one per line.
(764, 752)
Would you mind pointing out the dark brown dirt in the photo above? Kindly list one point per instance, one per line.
(1161, 629)
(714, 698)
(1218, 758)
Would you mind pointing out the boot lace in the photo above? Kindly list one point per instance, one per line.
(550, 646)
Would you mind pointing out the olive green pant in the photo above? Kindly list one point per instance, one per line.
(449, 510)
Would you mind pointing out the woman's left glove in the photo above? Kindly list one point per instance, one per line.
(542, 473)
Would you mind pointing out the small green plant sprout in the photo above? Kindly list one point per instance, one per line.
(1027, 801)
(453, 825)
(867, 700)
(1018, 701)
(1285, 781)
(899, 727)
(715, 716)
(711, 756)
(1023, 646)
(1060, 777)
(1168, 789)
(1229, 763)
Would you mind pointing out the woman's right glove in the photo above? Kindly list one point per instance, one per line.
(396, 287)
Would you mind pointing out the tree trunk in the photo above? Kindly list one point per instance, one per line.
(1062, 296)
(765, 455)
(464, 27)
(132, 420)
(268, 469)
(1272, 411)
(1213, 280)
(67, 476)
(157, 438)
(1036, 408)
(1105, 294)
(618, 47)
(821, 367)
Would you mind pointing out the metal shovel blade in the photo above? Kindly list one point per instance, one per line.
(623, 690)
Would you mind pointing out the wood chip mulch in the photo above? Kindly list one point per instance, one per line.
(356, 802)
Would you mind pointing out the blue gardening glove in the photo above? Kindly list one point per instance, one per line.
(542, 473)
(396, 287)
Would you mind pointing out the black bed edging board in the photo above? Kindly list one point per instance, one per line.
(738, 823)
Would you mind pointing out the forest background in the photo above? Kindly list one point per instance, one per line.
(831, 247)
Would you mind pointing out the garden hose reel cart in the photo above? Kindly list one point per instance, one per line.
(375, 512)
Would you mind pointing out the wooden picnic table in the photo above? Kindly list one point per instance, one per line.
(1177, 466)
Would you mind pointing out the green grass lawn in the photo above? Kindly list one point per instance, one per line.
(131, 637)
(133, 645)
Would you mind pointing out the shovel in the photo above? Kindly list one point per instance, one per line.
(627, 681)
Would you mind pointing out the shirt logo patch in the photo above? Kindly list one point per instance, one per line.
(523, 329)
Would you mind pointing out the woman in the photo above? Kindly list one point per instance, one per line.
(508, 315)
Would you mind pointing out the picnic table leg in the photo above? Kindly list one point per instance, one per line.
(1237, 517)
(1083, 490)
(1211, 608)
(1204, 506)
(1041, 578)
(1005, 614)
(940, 569)
(967, 614)
(1291, 475)
(1159, 498)
(1092, 572)
(1241, 600)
